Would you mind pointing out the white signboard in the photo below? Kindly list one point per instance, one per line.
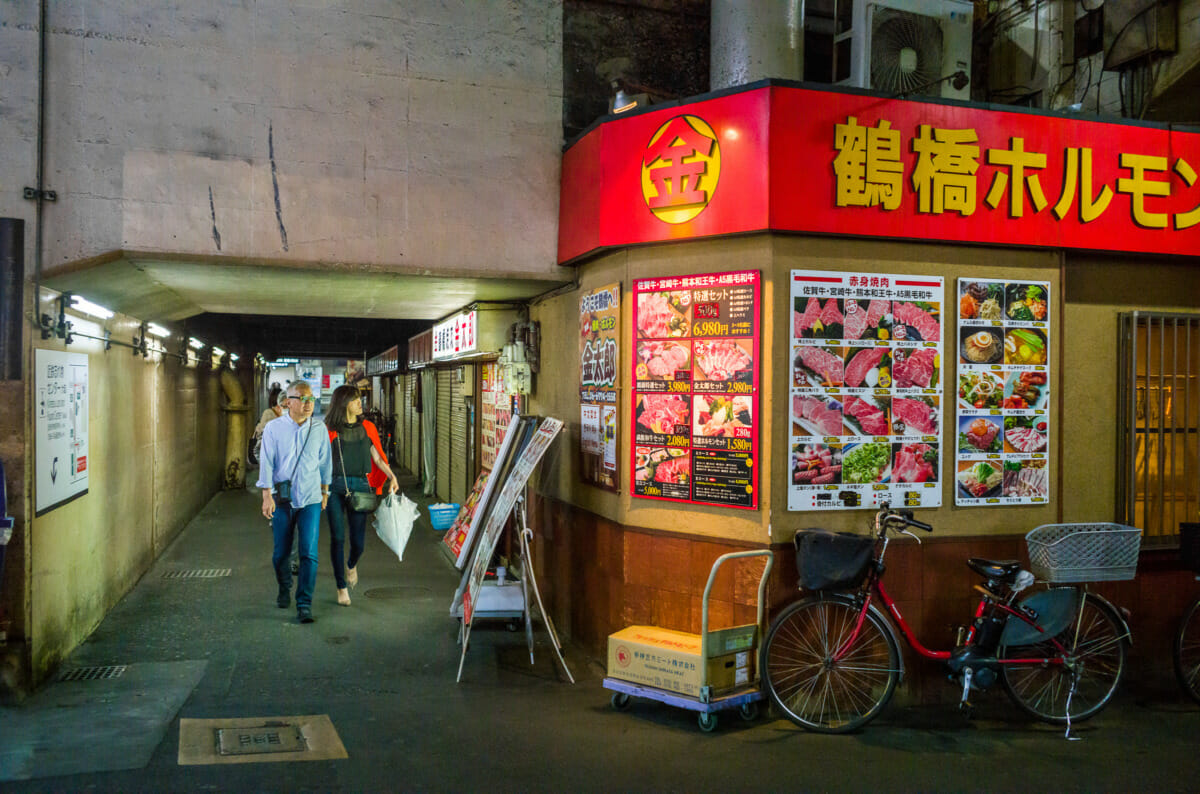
(60, 428)
(866, 395)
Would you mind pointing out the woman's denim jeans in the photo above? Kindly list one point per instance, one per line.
(342, 518)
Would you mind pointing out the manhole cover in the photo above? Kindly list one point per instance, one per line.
(396, 592)
(274, 738)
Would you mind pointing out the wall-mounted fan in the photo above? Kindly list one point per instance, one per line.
(906, 51)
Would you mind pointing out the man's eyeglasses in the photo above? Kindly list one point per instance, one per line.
(308, 399)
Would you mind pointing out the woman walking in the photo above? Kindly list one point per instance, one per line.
(358, 465)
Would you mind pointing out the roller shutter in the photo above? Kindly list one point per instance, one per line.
(445, 396)
(458, 440)
(412, 436)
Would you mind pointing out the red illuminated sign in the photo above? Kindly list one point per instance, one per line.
(802, 160)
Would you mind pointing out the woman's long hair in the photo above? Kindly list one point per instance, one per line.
(335, 417)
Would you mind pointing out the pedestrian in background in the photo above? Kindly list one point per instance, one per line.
(278, 407)
(359, 465)
(294, 473)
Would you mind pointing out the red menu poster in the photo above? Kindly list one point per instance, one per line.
(695, 392)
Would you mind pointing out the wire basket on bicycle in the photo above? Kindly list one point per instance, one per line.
(1064, 553)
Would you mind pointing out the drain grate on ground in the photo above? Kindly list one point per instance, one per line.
(202, 573)
(278, 737)
(93, 673)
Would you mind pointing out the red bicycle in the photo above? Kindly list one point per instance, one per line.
(831, 661)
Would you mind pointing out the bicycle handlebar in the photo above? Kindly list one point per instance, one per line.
(903, 516)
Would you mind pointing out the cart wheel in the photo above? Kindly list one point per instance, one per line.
(620, 701)
(749, 711)
(708, 721)
(512, 625)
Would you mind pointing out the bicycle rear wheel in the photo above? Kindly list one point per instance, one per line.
(1096, 644)
(808, 685)
(1187, 651)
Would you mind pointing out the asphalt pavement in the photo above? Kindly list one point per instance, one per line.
(204, 651)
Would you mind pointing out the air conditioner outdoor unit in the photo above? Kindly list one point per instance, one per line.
(909, 46)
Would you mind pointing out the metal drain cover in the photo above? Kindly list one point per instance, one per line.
(271, 738)
(204, 573)
(396, 592)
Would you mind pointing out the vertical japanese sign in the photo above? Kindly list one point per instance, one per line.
(1003, 422)
(61, 428)
(866, 395)
(599, 358)
(695, 395)
(489, 435)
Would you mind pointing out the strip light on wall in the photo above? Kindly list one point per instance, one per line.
(87, 307)
(195, 343)
(157, 330)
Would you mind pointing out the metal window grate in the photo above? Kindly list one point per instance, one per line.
(93, 673)
(204, 573)
(1158, 472)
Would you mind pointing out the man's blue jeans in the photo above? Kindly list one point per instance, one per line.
(287, 523)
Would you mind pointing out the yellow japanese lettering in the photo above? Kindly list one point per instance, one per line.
(944, 176)
(1138, 187)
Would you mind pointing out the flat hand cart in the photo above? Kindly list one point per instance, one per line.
(743, 697)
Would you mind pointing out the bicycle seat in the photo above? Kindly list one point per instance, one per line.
(1002, 570)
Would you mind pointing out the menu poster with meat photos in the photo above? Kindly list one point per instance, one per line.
(599, 359)
(866, 390)
(695, 392)
(1003, 416)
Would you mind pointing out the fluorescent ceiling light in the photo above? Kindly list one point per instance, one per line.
(155, 329)
(196, 343)
(218, 351)
(233, 356)
(87, 307)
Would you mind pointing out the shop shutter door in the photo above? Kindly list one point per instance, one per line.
(458, 440)
(414, 430)
(404, 411)
(445, 389)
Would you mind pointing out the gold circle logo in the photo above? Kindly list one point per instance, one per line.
(680, 169)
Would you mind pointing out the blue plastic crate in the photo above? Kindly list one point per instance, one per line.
(443, 515)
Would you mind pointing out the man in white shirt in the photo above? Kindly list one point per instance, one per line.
(295, 469)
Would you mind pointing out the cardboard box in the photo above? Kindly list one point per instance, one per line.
(670, 660)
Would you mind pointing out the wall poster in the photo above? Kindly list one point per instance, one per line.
(61, 428)
(1003, 421)
(866, 396)
(599, 382)
(695, 393)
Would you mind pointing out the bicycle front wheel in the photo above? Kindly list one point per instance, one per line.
(813, 688)
(1187, 651)
(1094, 662)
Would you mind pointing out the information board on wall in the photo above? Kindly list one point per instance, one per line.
(599, 380)
(1003, 418)
(696, 388)
(60, 427)
(866, 393)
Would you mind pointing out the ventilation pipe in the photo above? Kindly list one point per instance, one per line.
(755, 39)
(235, 431)
(12, 274)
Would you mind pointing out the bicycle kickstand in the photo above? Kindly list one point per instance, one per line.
(965, 703)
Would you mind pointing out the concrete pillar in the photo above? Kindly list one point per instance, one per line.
(755, 39)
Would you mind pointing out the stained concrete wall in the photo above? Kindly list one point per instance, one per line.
(156, 449)
(411, 135)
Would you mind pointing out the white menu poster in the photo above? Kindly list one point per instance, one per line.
(60, 428)
(1002, 431)
(866, 395)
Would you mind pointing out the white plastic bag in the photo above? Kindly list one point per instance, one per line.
(394, 520)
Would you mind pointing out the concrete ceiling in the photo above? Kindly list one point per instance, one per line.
(162, 290)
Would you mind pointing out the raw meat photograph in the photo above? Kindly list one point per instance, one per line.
(817, 366)
(663, 413)
(915, 463)
(866, 319)
(979, 434)
(1026, 434)
(915, 368)
(915, 415)
(663, 315)
(816, 464)
(917, 321)
(817, 319)
(664, 361)
(866, 415)
(868, 367)
(1027, 479)
(816, 415)
(724, 360)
